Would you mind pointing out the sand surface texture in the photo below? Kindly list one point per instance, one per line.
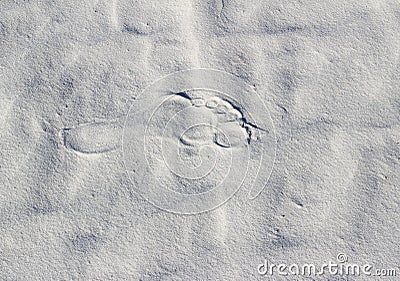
(118, 164)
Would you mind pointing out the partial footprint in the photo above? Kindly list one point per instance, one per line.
(227, 129)
(97, 137)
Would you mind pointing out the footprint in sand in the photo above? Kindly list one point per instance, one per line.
(226, 130)
(189, 141)
(199, 122)
(200, 118)
(92, 138)
(196, 131)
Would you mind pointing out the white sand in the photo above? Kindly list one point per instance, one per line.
(71, 204)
